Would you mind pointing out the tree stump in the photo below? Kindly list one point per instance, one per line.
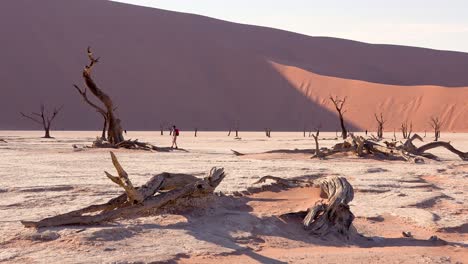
(332, 217)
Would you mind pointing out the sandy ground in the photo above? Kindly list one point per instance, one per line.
(41, 178)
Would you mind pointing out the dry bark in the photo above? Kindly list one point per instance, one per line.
(137, 200)
(45, 119)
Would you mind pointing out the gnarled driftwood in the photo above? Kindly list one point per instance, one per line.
(136, 200)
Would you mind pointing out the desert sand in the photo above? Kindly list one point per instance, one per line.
(214, 72)
(45, 177)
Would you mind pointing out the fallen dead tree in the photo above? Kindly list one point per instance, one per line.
(132, 144)
(363, 147)
(137, 200)
(2, 140)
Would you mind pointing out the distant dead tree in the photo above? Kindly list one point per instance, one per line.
(268, 132)
(436, 124)
(229, 133)
(406, 129)
(380, 121)
(196, 132)
(318, 154)
(45, 119)
(237, 127)
(339, 104)
(163, 126)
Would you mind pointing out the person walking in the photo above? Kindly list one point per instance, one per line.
(175, 134)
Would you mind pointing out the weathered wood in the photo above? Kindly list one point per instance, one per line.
(421, 150)
(134, 196)
(137, 200)
(284, 182)
(332, 217)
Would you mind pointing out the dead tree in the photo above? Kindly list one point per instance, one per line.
(115, 138)
(406, 151)
(406, 129)
(339, 104)
(45, 119)
(136, 200)
(196, 132)
(318, 154)
(268, 132)
(236, 127)
(114, 129)
(229, 133)
(436, 124)
(380, 121)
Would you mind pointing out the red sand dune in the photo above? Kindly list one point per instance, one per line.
(202, 72)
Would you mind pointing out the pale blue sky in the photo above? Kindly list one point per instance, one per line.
(438, 24)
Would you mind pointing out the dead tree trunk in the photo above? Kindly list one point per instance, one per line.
(334, 216)
(114, 131)
(229, 133)
(436, 124)
(46, 120)
(137, 200)
(406, 130)
(339, 104)
(104, 128)
(268, 132)
(380, 121)
(196, 132)
(236, 127)
(318, 154)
